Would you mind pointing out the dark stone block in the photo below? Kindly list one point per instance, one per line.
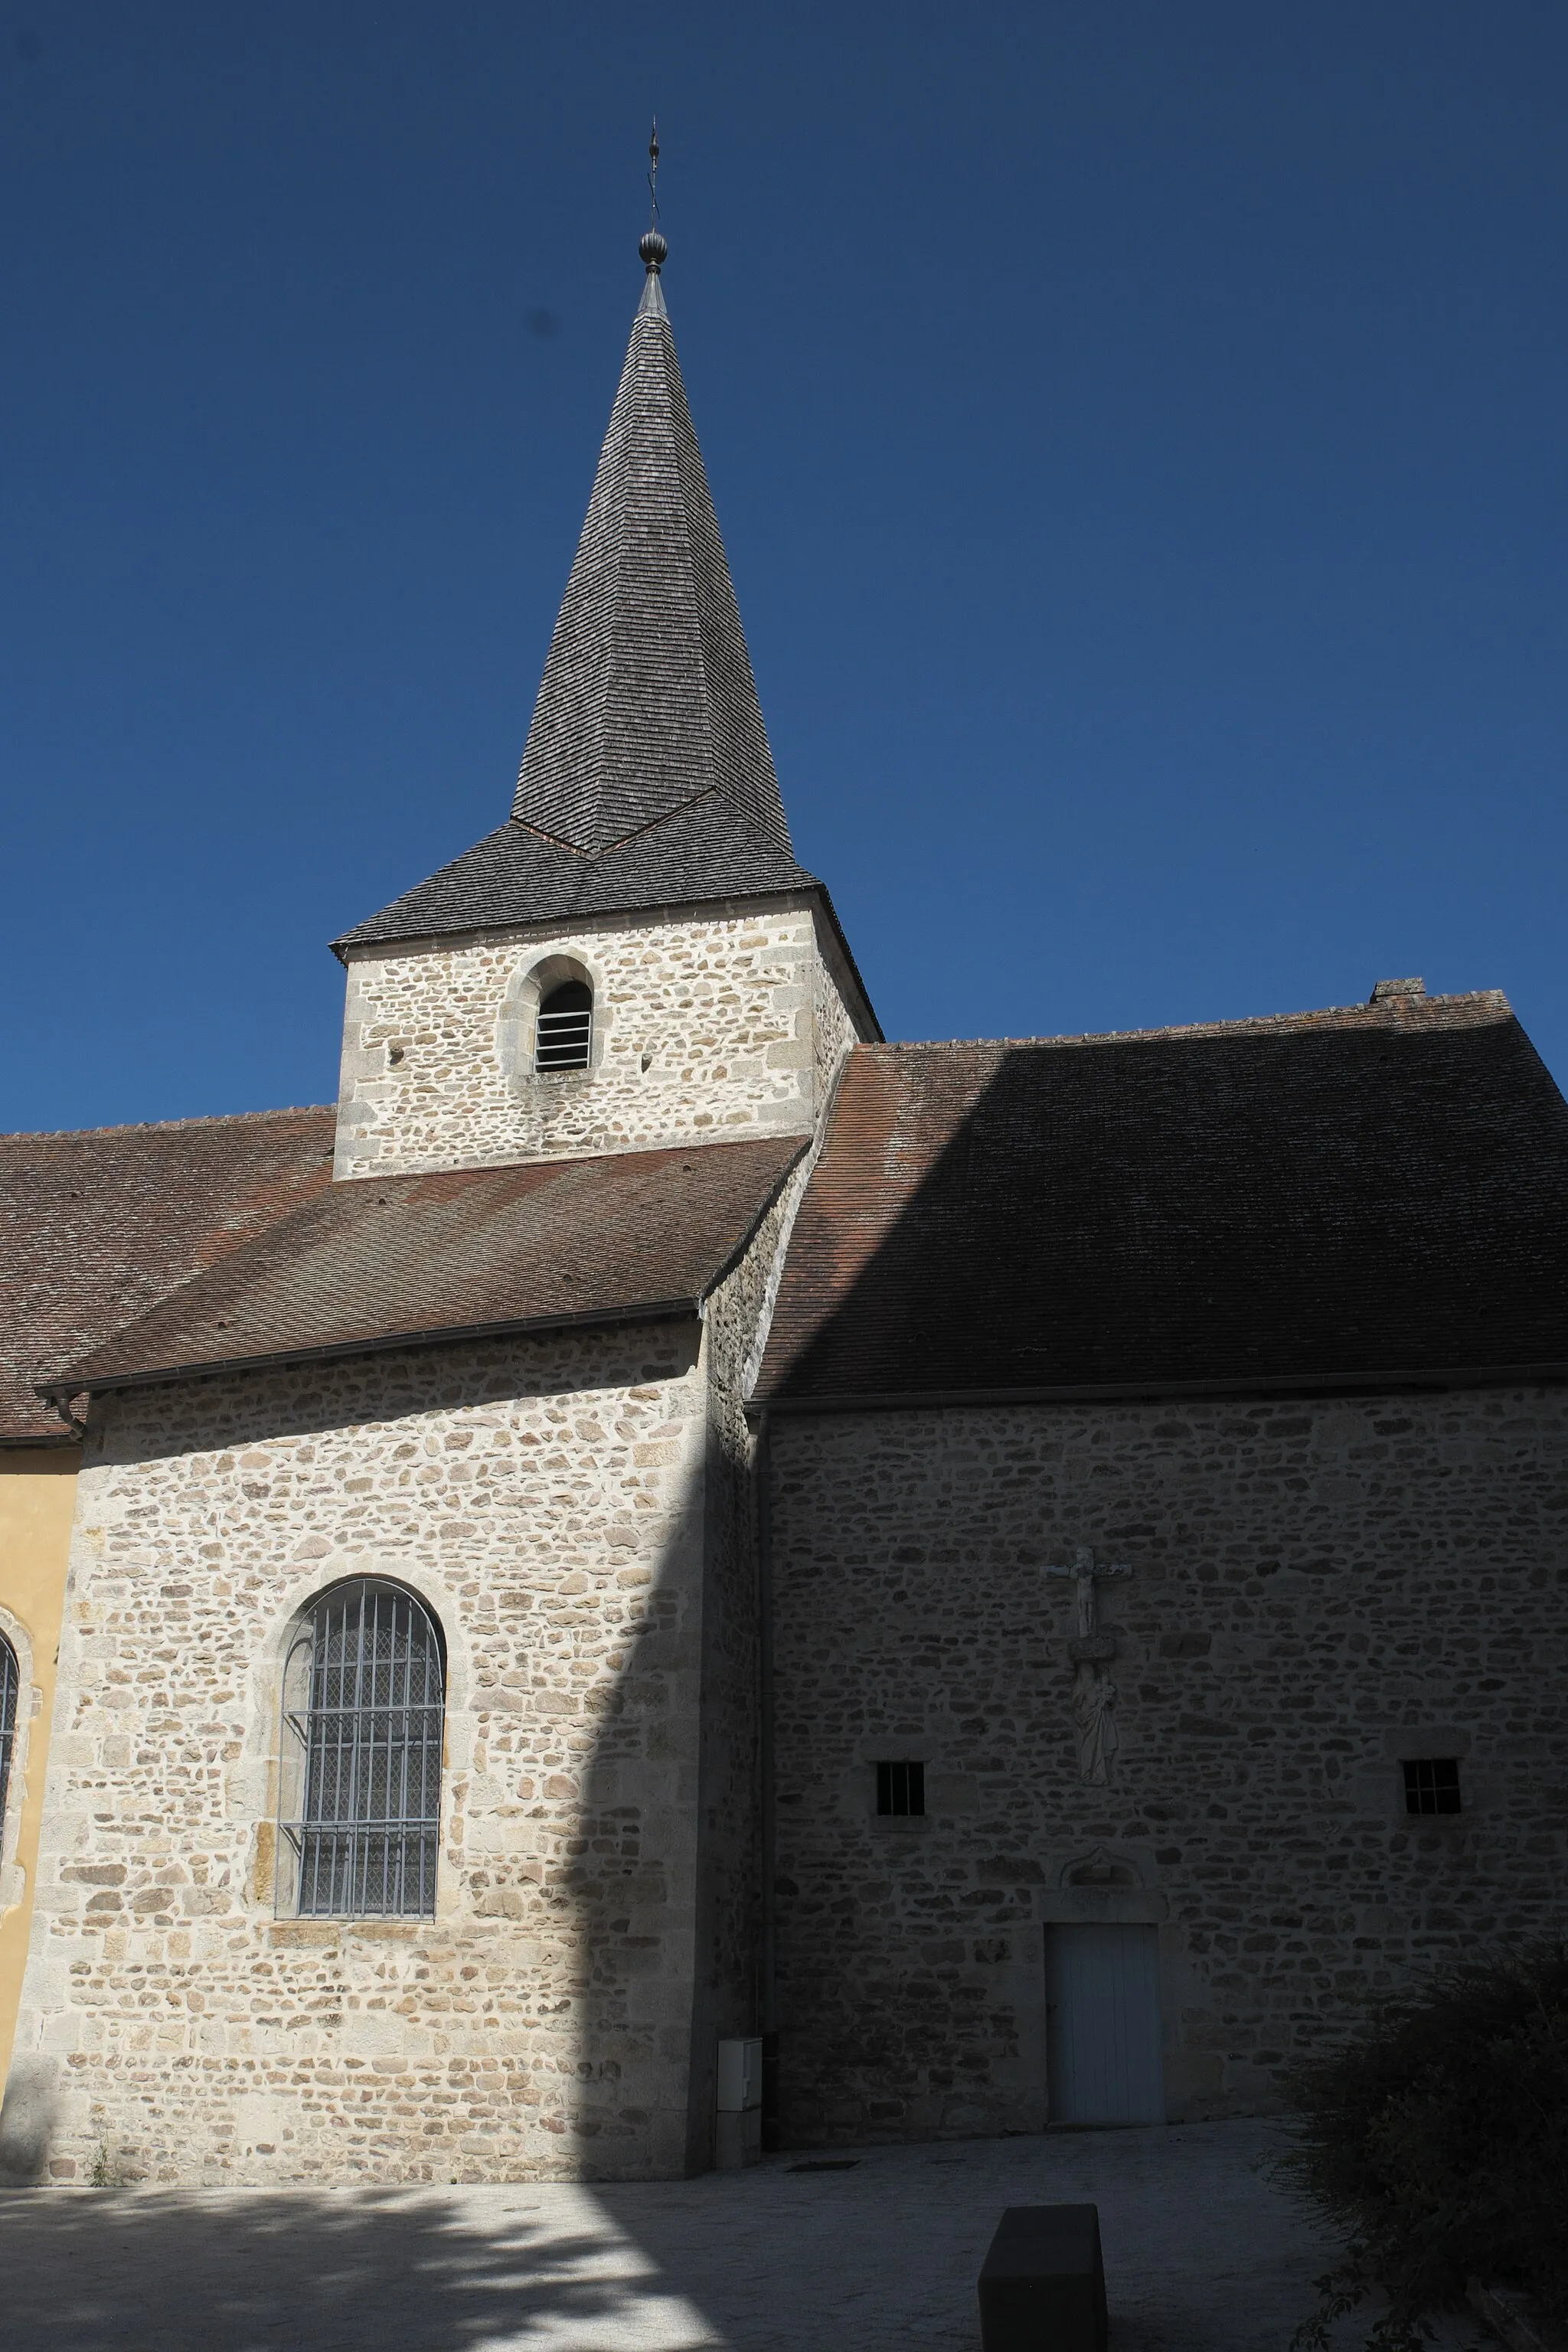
(1042, 2283)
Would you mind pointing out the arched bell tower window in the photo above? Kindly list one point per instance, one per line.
(10, 1686)
(364, 1699)
(564, 1036)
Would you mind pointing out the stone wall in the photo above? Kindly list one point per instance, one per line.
(546, 1497)
(729, 1993)
(1317, 1590)
(833, 1031)
(722, 1025)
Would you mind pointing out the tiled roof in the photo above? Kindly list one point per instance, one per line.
(97, 1226)
(1329, 1194)
(646, 780)
(647, 699)
(515, 875)
(382, 1260)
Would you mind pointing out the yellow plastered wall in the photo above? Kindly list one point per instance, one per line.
(38, 1498)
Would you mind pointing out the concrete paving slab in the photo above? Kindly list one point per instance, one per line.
(1205, 2251)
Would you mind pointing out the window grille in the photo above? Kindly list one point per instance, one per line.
(10, 1683)
(1432, 1785)
(565, 1027)
(901, 1789)
(363, 1706)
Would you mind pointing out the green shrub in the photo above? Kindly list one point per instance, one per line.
(1437, 2140)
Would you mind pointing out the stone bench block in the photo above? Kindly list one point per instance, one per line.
(1042, 2283)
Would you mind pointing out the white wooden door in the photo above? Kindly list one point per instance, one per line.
(1102, 2025)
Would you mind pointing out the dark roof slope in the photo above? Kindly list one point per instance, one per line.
(646, 780)
(516, 875)
(647, 699)
(1343, 1193)
(380, 1261)
(97, 1226)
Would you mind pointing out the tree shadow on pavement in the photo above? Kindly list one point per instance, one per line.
(392, 2272)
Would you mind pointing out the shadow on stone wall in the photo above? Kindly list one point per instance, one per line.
(657, 1887)
(571, 1995)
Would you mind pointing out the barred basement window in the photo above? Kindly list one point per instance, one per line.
(564, 1036)
(10, 1683)
(364, 1701)
(901, 1789)
(1432, 1785)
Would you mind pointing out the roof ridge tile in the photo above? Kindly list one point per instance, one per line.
(1388, 1012)
(160, 1126)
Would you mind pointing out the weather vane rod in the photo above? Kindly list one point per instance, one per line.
(653, 248)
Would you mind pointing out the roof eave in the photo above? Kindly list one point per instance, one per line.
(83, 1383)
(1128, 1391)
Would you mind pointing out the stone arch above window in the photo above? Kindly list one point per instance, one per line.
(553, 1021)
(363, 1718)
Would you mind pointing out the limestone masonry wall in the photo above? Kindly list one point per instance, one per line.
(546, 1497)
(1317, 1590)
(730, 1864)
(721, 1026)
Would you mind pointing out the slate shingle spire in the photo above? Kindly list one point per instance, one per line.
(647, 700)
(647, 778)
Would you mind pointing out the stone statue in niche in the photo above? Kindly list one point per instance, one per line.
(1091, 1649)
(1094, 1717)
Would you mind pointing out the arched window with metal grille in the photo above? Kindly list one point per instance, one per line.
(10, 1687)
(364, 1700)
(565, 1035)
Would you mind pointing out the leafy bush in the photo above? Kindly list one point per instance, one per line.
(1437, 2139)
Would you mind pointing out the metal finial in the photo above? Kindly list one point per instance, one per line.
(652, 246)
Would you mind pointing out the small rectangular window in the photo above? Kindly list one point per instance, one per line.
(901, 1789)
(1432, 1784)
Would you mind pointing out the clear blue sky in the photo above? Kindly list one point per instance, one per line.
(1140, 433)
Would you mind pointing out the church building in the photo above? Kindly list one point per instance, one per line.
(671, 1572)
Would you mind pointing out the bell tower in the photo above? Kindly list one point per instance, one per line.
(636, 957)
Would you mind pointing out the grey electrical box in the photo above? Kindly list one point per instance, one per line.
(738, 2139)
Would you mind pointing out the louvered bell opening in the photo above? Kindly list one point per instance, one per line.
(565, 1032)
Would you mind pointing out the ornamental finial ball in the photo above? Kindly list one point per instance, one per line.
(653, 250)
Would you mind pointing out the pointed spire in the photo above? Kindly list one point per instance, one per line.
(646, 780)
(647, 702)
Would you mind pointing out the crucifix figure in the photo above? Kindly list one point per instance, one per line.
(1094, 1693)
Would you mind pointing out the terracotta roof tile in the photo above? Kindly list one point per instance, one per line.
(382, 1260)
(98, 1224)
(1380, 1188)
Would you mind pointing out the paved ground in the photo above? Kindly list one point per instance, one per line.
(1205, 2252)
